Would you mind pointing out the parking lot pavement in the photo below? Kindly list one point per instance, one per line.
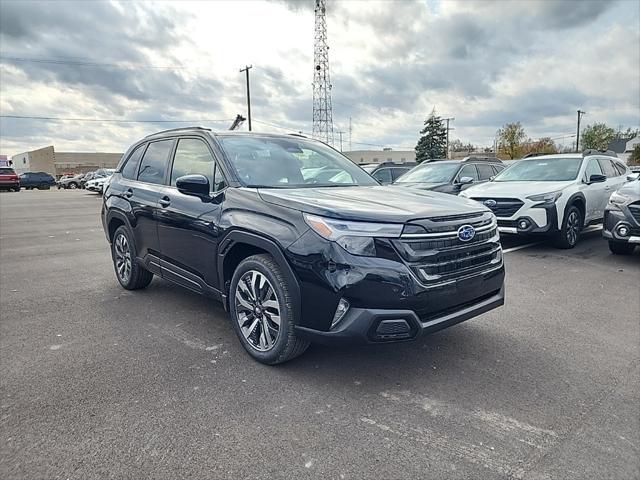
(98, 382)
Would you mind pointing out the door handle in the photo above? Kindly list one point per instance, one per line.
(164, 202)
(128, 193)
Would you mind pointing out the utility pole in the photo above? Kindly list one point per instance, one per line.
(246, 70)
(580, 113)
(340, 133)
(448, 120)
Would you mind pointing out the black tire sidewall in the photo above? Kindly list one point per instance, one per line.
(279, 283)
(562, 237)
(132, 250)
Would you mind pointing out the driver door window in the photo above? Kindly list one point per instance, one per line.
(383, 176)
(192, 157)
(468, 171)
(593, 168)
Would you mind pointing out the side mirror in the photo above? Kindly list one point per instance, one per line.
(465, 180)
(597, 179)
(197, 185)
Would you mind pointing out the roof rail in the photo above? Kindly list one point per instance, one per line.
(435, 160)
(476, 158)
(177, 130)
(593, 151)
(535, 154)
(297, 135)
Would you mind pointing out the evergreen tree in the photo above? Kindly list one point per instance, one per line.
(433, 142)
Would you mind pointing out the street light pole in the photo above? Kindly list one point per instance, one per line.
(246, 70)
(580, 113)
(340, 133)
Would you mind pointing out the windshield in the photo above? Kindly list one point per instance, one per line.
(282, 162)
(430, 173)
(553, 169)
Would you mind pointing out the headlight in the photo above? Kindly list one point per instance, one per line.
(550, 197)
(354, 237)
(618, 199)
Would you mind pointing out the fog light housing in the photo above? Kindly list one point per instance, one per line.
(343, 306)
(622, 230)
(523, 224)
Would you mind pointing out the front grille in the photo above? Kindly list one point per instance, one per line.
(634, 208)
(426, 317)
(507, 223)
(438, 255)
(504, 207)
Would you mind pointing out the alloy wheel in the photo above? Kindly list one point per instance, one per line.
(123, 258)
(257, 310)
(573, 228)
(73, 185)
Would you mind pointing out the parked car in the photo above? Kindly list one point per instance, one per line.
(387, 172)
(71, 182)
(9, 180)
(555, 195)
(39, 180)
(97, 184)
(621, 224)
(451, 176)
(295, 260)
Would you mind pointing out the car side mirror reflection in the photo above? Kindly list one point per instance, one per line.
(597, 178)
(197, 185)
(465, 180)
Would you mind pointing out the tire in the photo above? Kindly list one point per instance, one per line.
(570, 231)
(621, 248)
(260, 294)
(129, 272)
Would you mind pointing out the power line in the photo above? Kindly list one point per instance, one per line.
(112, 120)
(78, 63)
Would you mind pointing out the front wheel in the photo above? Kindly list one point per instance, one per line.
(129, 272)
(621, 248)
(261, 309)
(72, 186)
(571, 227)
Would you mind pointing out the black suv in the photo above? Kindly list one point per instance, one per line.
(621, 224)
(451, 176)
(296, 257)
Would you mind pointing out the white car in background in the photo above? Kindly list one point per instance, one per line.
(97, 184)
(555, 195)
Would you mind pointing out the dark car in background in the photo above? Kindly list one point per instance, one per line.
(386, 173)
(451, 176)
(621, 225)
(39, 180)
(293, 258)
(9, 180)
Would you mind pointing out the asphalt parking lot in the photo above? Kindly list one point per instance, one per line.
(99, 382)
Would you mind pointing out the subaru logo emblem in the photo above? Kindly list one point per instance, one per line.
(466, 233)
(490, 203)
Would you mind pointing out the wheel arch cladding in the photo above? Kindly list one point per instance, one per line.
(239, 245)
(116, 220)
(577, 200)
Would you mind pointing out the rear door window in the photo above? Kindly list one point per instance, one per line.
(607, 168)
(154, 162)
(485, 172)
(131, 166)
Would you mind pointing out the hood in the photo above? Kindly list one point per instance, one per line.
(513, 189)
(374, 204)
(420, 185)
(631, 189)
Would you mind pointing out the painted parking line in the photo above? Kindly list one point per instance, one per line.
(593, 228)
(520, 247)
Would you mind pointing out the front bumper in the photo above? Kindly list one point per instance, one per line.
(540, 219)
(614, 219)
(368, 326)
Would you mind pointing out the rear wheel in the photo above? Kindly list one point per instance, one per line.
(621, 248)
(72, 185)
(261, 308)
(129, 272)
(571, 227)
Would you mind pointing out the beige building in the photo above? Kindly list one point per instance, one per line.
(381, 156)
(59, 163)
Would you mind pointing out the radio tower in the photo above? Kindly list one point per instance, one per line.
(322, 112)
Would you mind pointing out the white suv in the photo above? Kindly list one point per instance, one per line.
(555, 195)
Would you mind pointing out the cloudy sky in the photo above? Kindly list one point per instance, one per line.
(485, 63)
